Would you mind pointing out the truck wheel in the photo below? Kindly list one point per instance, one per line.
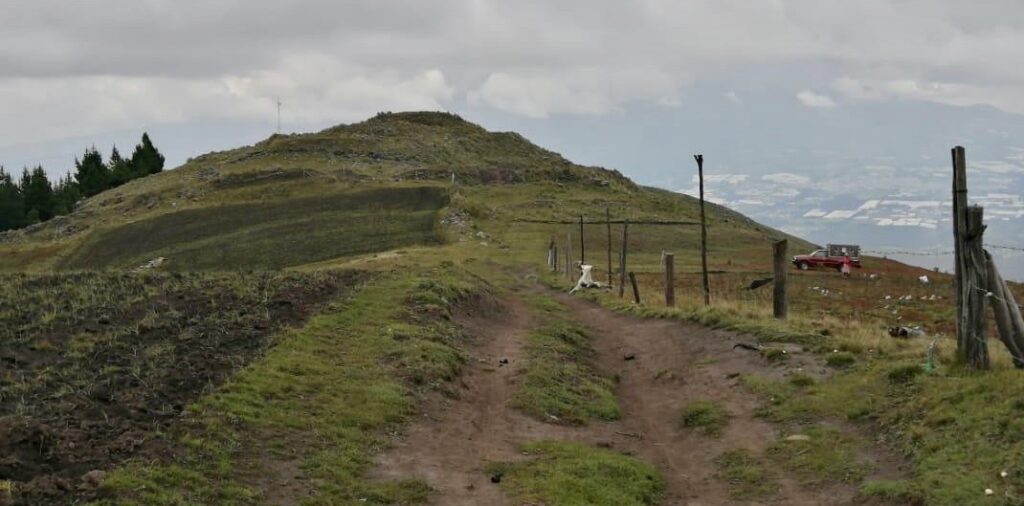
(802, 266)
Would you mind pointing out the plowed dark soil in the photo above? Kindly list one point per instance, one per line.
(104, 379)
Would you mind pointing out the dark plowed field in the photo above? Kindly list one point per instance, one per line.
(95, 368)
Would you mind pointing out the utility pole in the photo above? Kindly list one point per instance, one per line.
(703, 231)
(278, 114)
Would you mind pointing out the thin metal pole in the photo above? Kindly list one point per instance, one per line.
(703, 231)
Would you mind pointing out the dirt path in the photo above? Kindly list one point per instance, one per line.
(454, 437)
(676, 363)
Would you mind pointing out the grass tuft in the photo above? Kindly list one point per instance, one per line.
(819, 455)
(746, 475)
(569, 474)
(706, 416)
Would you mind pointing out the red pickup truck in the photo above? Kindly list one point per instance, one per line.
(821, 258)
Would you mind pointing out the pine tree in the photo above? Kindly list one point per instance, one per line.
(92, 175)
(12, 211)
(65, 196)
(146, 159)
(38, 195)
(121, 170)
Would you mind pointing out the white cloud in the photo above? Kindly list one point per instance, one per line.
(532, 58)
(811, 99)
(314, 88)
(585, 91)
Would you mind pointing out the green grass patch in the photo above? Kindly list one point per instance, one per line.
(840, 359)
(901, 492)
(559, 384)
(746, 475)
(706, 416)
(819, 454)
(571, 474)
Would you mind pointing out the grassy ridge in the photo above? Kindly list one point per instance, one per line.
(271, 235)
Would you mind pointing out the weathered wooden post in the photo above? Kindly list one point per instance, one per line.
(622, 258)
(670, 281)
(551, 255)
(703, 231)
(636, 290)
(583, 247)
(568, 255)
(608, 223)
(554, 258)
(1006, 312)
(976, 283)
(971, 271)
(779, 304)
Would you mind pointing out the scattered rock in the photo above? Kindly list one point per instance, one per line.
(798, 437)
(93, 478)
(502, 362)
(496, 477)
(629, 356)
(152, 264)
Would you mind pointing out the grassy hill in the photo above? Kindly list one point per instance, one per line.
(373, 186)
(368, 242)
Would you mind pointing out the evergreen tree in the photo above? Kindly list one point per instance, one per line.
(12, 211)
(65, 196)
(38, 195)
(92, 175)
(121, 170)
(146, 159)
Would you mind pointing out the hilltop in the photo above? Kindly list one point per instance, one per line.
(380, 184)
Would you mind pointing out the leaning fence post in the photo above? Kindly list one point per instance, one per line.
(670, 282)
(636, 290)
(779, 303)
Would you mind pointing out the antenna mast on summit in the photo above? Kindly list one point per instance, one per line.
(278, 114)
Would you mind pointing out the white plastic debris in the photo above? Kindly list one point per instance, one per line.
(923, 280)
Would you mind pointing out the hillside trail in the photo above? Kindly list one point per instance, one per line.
(449, 444)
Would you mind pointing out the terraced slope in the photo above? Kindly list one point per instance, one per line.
(381, 184)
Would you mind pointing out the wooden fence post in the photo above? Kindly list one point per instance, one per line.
(975, 283)
(636, 290)
(670, 281)
(583, 247)
(971, 271)
(703, 231)
(1007, 314)
(554, 256)
(568, 255)
(622, 258)
(608, 223)
(780, 302)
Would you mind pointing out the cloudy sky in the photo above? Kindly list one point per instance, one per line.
(72, 69)
(807, 89)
